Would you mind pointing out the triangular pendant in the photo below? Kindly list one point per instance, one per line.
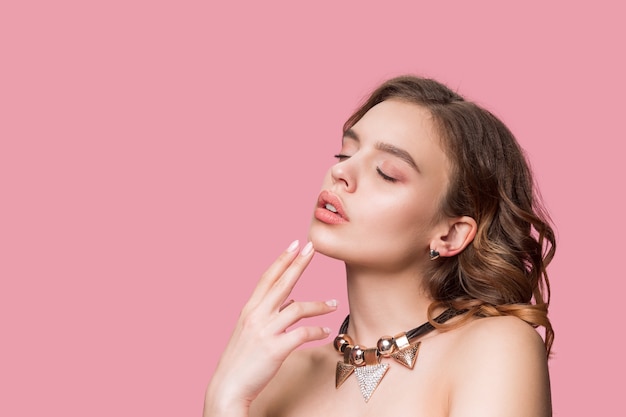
(369, 377)
(407, 355)
(344, 370)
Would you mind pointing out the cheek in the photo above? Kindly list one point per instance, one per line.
(397, 215)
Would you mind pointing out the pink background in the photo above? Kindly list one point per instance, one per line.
(156, 156)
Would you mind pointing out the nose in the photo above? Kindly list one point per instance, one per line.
(342, 174)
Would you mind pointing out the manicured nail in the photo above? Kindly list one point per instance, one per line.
(331, 303)
(307, 249)
(326, 330)
(293, 246)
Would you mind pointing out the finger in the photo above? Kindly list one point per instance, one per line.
(274, 272)
(287, 304)
(283, 286)
(297, 311)
(300, 335)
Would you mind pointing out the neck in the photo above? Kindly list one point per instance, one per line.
(384, 303)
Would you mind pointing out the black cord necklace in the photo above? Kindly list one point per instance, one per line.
(365, 363)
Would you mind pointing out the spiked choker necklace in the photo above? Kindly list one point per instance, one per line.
(365, 362)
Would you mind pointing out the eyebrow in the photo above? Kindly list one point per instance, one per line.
(386, 147)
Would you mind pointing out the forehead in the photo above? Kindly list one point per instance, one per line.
(396, 119)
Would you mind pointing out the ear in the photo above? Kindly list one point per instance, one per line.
(455, 235)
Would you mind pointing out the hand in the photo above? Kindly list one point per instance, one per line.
(260, 342)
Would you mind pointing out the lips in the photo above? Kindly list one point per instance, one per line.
(329, 209)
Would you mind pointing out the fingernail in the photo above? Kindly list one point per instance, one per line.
(326, 330)
(307, 249)
(293, 246)
(331, 303)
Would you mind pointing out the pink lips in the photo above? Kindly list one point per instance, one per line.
(326, 216)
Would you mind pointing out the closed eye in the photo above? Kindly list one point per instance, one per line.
(385, 176)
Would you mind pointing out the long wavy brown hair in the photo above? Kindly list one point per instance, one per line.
(503, 271)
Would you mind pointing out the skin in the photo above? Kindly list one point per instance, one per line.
(487, 367)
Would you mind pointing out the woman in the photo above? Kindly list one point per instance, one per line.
(431, 207)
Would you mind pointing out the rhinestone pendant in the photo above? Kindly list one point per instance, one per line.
(369, 376)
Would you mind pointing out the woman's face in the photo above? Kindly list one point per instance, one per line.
(379, 205)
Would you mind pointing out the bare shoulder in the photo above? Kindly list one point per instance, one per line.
(500, 368)
(502, 334)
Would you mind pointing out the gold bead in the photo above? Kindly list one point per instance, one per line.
(385, 345)
(341, 341)
(357, 356)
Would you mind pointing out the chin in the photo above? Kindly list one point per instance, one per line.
(328, 241)
(325, 241)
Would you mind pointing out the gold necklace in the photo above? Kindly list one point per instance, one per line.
(365, 362)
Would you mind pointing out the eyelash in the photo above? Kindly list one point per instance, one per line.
(342, 157)
(385, 176)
